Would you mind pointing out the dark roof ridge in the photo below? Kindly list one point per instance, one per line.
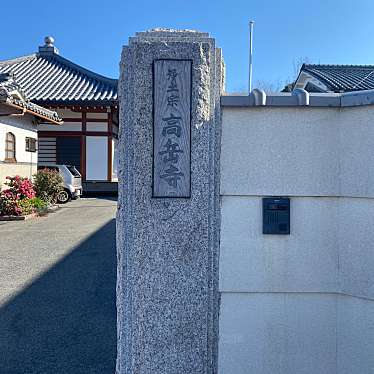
(80, 68)
(337, 65)
(48, 78)
(65, 61)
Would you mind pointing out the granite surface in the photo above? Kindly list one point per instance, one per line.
(167, 285)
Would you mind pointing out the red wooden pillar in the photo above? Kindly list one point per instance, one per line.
(110, 145)
(83, 145)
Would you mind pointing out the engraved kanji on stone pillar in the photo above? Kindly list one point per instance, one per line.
(168, 203)
(172, 128)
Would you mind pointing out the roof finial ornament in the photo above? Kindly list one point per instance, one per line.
(49, 41)
(49, 46)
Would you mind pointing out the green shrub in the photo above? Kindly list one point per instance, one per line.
(17, 207)
(38, 203)
(48, 184)
(33, 205)
(26, 206)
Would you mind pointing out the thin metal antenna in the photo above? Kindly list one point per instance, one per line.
(251, 23)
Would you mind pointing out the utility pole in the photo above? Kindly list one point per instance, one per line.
(251, 23)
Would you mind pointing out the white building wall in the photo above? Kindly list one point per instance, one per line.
(97, 126)
(66, 126)
(296, 151)
(291, 333)
(301, 303)
(68, 113)
(96, 158)
(97, 115)
(115, 160)
(21, 127)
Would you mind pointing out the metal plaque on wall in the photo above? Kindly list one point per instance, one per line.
(172, 128)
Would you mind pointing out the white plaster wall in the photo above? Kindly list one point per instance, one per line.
(97, 126)
(97, 115)
(356, 247)
(295, 333)
(96, 158)
(67, 113)
(114, 160)
(306, 260)
(21, 127)
(355, 338)
(330, 249)
(298, 151)
(66, 126)
(302, 303)
(277, 333)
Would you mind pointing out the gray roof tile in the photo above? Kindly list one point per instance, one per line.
(50, 79)
(12, 94)
(343, 78)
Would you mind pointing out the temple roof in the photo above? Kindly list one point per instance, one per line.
(12, 95)
(50, 79)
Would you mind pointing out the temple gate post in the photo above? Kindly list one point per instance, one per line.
(168, 208)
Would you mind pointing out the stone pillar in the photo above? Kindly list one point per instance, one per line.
(168, 207)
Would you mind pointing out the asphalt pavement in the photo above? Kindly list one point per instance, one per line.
(57, 291)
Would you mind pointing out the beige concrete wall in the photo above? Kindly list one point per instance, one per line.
(303, 303)
(23, 170)
(298, 151)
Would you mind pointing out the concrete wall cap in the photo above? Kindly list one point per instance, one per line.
(259, 97)
(302, 96)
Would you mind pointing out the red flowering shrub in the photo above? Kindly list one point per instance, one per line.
(9, 204)
(20, 189)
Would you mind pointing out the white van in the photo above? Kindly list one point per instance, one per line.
(72, 181)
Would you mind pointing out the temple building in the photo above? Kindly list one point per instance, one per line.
(86, 102)
(19, 121)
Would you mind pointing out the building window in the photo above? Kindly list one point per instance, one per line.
(10, 147)
(30, 145)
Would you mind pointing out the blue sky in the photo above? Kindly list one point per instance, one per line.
(91, 33)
